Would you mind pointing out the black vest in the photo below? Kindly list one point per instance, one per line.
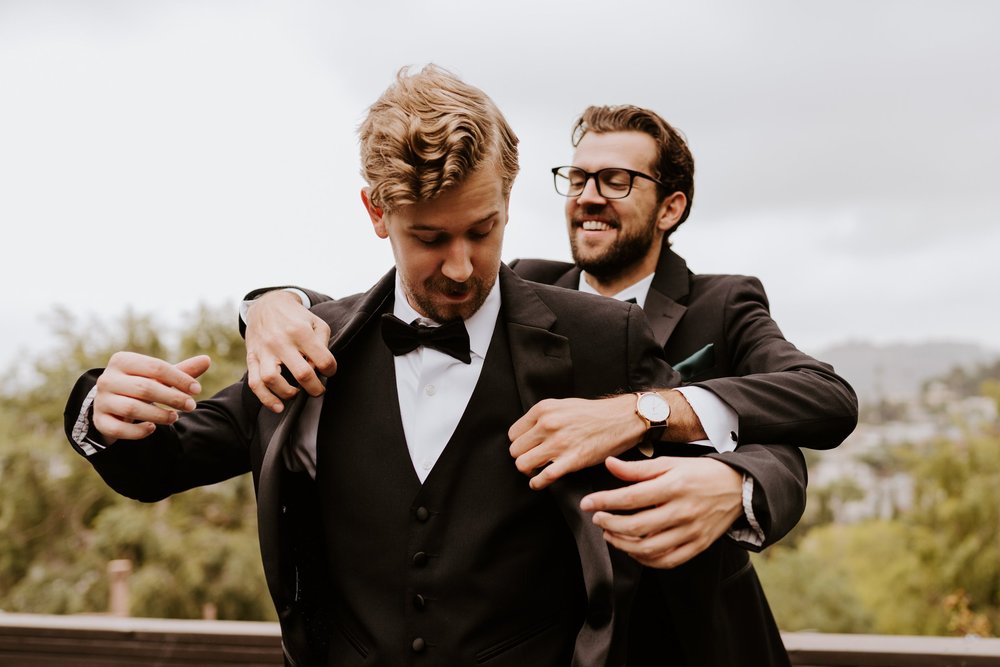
(472, 566)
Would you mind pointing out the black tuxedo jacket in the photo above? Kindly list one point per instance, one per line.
(717, 330)
(562, 344)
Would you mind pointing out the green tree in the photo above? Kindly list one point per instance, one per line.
(60, 522)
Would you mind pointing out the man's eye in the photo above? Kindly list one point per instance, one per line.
(429, 240)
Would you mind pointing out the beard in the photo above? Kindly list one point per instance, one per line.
(442, 312)
(627, 250)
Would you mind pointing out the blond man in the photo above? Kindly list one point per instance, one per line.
(393, 526)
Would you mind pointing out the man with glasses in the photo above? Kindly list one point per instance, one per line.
(685, 509)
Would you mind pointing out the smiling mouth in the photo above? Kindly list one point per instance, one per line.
(594, 226)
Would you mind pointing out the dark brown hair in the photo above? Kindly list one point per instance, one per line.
(674, 165)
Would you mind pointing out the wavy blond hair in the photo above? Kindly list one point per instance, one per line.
(428, 132)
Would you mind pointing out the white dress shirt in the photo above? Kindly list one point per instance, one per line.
(433, 387)
(433, 391)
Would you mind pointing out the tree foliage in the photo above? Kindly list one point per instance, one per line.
(933, 569)
(61, 524)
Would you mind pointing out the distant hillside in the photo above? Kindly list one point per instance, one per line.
(897, 370)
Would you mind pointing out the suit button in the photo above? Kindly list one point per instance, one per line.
(419, 602)
(420, 559)
(423, 514)
(418, 645)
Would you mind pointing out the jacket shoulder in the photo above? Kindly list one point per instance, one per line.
(726, 286)
(336, 311)
(573, 305)
(540, 270)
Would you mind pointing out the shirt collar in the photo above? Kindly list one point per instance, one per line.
(480, 325)
(638, 290)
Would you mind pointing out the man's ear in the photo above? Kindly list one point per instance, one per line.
(375, 213)
(671, 209)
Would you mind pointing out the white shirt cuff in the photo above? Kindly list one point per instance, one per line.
(719, 421)
(752, 535)
(81, 428)
(245, 305)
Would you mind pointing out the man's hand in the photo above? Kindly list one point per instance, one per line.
(569, 434)
(684, 505)
(136, 392)
(280, 330)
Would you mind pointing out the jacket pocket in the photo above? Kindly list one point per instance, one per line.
(738, 573)
(501, 647)
(352, 638)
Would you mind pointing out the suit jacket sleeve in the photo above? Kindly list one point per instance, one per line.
(779, 496)
(781, 394)
(779, 471)
(206, 446)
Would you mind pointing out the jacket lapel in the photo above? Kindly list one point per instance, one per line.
(542, 364)
(543, 368)
(275, 429)
(570, 279)
(664, 303)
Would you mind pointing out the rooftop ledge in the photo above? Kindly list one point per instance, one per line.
(96, 641)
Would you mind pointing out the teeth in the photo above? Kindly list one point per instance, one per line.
(595, 226)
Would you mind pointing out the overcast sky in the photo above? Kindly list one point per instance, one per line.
(158, 154)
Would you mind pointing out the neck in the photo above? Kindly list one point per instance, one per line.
(611, 285)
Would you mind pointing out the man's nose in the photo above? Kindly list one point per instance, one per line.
(457, 264)
(590, 194)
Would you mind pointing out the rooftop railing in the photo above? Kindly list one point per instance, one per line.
(28, 640)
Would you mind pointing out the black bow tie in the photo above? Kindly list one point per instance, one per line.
(450, 338)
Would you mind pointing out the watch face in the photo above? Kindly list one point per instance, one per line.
(653, 407)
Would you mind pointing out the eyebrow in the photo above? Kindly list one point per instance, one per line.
(482, 221)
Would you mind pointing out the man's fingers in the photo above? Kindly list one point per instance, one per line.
(274, 381)
(638, 471)
(517, 431)
(647, 522)
(316, 349)
(324, 361)
(194, 367)
(549, 474)
(130, 409)
(134, 364)
(259, 389)
(663, 551)
(304, 374)
(631, 497)
(144, 389)
(531, 457)
(112, 429)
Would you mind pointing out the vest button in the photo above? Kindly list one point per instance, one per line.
(419, 645)
(419, 602)
(420, 559)
(423, 514)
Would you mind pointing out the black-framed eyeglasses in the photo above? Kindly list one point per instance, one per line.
(612, 183)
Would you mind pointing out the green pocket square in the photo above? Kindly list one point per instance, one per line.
(697, 363)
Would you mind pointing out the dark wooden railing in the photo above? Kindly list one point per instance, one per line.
(28, 640)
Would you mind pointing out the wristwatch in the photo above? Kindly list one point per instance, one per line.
(654, 411)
